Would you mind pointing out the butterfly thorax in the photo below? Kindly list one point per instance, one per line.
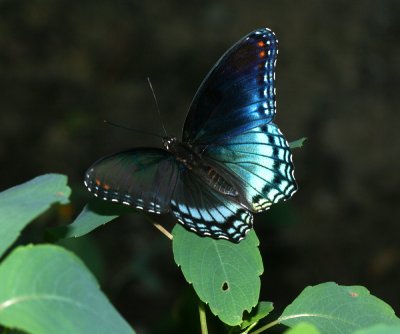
(192, 160)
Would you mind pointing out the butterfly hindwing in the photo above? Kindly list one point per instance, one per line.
(206, 212)
(144, 178)
(261, 163)
(238, 93)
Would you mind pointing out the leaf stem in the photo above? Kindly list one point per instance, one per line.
(203, 320)
(267, 326)
(248, 329)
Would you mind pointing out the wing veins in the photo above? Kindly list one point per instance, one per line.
(258, 154)
(251, 163)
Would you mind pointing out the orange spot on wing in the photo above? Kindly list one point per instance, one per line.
(261, 54)
(261, 44)
(98, 182)
(106, 186)
(354, 294)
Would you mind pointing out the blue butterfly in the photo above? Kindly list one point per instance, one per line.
(232, 160)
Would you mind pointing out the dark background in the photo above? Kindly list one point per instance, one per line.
(67, 65)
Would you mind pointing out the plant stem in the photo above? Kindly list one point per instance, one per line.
(163, 230)
(160, 228)
(267, 326)
(203, 320)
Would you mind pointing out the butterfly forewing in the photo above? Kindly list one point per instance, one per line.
(238, 93)
(144, 178)
(206, 212)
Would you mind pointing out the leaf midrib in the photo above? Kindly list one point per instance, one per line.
(319, 315)
(39, 297)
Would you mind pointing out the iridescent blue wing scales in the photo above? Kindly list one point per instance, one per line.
(144, 178)
(261, 163)
(238, 93)
(202, 210)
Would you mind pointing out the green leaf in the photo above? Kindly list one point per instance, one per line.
(23, 203)
(338, 309)
(297, 143)
(95, 214)
(379, 329)
(46, 289)
(303, 328)
(258, 313)
(225, 275)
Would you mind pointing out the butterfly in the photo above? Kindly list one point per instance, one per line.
(232, 161)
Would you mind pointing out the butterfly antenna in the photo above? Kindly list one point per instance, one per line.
(131, 129)
(158, 109)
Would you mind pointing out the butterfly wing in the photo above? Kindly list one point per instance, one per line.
(143, 177)
(238, 93)
(230, 123)
(260, 162)
(202, 210)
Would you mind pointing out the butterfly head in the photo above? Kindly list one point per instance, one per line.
(182, 151)
(169, 142)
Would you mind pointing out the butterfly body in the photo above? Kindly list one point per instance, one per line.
(232, 161)
(193, 161)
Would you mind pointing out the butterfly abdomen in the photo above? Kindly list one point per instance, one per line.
(216, 180)
(193, 161)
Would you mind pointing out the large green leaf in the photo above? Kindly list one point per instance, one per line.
(379, 329)
(338, 309)
(303, 328)
(46, 290)
(225, 275)
(23, 203)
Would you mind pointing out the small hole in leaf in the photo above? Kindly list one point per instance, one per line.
(225, 286)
